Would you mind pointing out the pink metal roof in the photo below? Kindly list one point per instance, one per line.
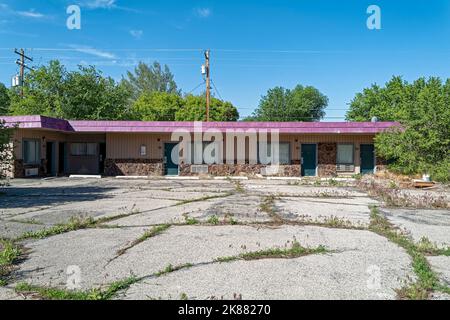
(41, 122)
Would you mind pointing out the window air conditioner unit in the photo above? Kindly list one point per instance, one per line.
(199, 169)
(345, 168)
(31, 172)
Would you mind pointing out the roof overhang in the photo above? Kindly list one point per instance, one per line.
(67, 126)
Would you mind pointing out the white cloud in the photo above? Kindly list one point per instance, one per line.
(31, 14)
(137, 34)
(203, 12)
(100, 4)
(106, 4)
(94, 52)
(26, 14)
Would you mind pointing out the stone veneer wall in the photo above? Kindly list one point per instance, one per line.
(134, 167)
(19, 168)
(327, 159)
(224, 170)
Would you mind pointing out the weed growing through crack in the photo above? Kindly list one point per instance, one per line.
(9, 254)
(317, 183)
(75, 223)
(239, 187)
(431, 249)
(191, 221)
(268, 206)
(214, 220)
(49, 293)
(427, 280)
(147, 234)
(295, 251)
(170, 268)
(204, 199)
(184, 296)
(333, 183)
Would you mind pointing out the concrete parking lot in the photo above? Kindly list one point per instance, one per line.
(209, 234)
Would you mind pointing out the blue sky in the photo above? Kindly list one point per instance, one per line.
(256, 44)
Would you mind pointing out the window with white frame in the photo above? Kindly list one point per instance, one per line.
(143, 150)
(31, 151)
(83, 149)
(284, 152)
(345, 154)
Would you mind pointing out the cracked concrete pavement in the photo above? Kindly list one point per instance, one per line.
(360, 264)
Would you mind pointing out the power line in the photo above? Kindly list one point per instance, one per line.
(21, 62)
(215, 88)
(224, 50)
(201, 84)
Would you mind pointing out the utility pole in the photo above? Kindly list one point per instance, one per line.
(208, 83)
(21, 62)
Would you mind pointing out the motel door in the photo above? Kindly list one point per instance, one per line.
(170, 165)
(309, 160)
(367, 159)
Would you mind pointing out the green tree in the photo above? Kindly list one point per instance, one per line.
(298, 104)
(4, 100)
(194, 109)
(147, 79)
(422, 145)
(386, 104)
(89, 95)
(82, 94)
(43, 91)
(157, 106)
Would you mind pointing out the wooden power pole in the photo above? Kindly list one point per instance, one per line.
(23, 66)
(208, 83)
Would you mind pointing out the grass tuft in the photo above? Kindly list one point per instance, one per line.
(75, 223)
(239, 187)
(147, 234)
(191, 221)
(427, 280)
(170, 268)
(214, 220)
(48, 293)
(295, 251)
(9, 254)
(431, 249)
(204, 199)
(268, 206)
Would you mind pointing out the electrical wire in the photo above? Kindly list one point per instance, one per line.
(215, 89)
(196, 87)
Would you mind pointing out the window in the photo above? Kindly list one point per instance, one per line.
(284, 152)
(143, 150)
(345, 154)
(83, 149)
(211, 155)
(31, 151)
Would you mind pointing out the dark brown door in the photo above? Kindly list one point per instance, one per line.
(102, 158)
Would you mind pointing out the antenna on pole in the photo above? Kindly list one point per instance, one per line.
(21, 63)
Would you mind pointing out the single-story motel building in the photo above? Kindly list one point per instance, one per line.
(44, 146)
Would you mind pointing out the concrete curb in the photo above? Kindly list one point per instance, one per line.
(76, 176)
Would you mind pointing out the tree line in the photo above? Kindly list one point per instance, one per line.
(150, 93)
